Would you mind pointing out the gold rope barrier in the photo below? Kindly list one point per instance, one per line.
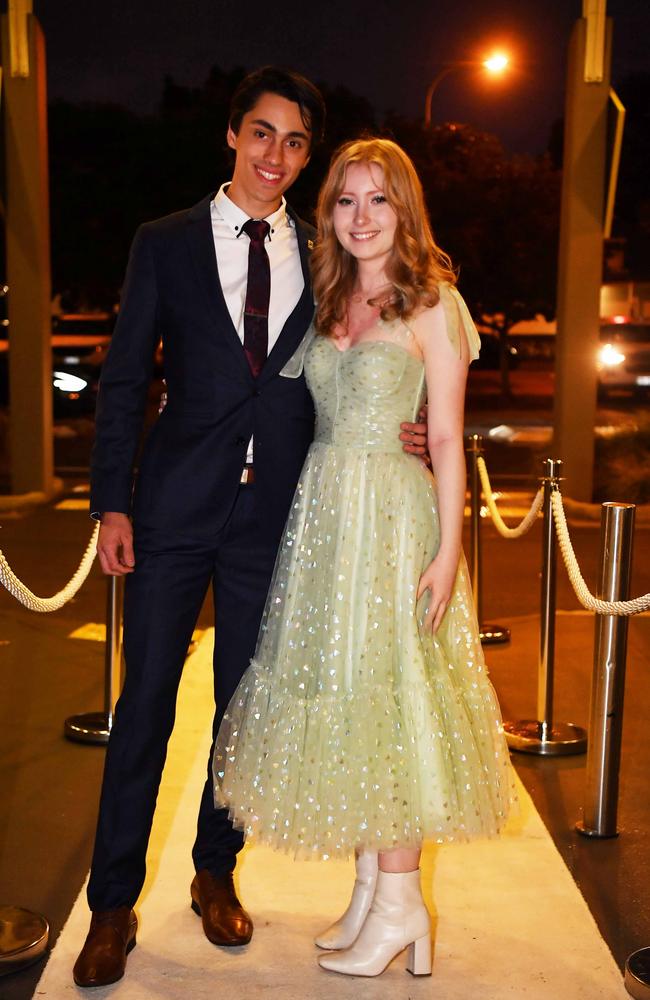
(17, 589)
(524, 525)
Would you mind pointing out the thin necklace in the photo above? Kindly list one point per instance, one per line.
(362, 296)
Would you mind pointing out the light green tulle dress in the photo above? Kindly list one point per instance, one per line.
(353, 727)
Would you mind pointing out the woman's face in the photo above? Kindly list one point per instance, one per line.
(363, 220)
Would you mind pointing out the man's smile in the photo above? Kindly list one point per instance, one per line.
(270, 176)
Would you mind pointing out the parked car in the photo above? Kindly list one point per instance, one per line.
(79, 345)
(624, 359)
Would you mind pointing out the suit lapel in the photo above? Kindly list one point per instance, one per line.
(204, 258)
(201, 245)
(297, 323)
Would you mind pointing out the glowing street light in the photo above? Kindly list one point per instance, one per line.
(495, 65)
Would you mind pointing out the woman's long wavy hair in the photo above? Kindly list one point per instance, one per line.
(416, 266)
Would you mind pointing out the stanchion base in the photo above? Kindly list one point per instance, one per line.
(637, 974)
(490, 635)
(91, 727)
(532, 736)
(24, 938)
(588, 831)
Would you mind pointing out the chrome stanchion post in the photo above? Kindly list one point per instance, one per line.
(475, 451)
(113, 652)
(543, 735)
(24, 937)
(489, 634)
(546, 671)
(608, 680)
(637, 974)
(95, 727)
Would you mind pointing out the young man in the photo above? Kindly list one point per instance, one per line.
(226, 286)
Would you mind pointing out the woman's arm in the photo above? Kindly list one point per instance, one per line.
(446, 375)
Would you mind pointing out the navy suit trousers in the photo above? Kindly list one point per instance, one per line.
(163, 598)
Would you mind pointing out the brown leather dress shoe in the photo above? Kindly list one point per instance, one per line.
(225, 920)
(110, 939)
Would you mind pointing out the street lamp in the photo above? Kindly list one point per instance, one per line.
(495, 64)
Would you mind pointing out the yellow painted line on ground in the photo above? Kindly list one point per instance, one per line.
(71, 504)
(96, 632)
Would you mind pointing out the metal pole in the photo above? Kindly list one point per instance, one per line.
(637, 974)
(489, 634)
(580, 264)
(95, 727)
(543, 735)
(433, 86)
(475, 450)
(113, 649)
(27, 238)
(608, 681)
(546, 663)
(24, 937)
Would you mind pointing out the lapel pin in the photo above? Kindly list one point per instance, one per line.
(310, 244)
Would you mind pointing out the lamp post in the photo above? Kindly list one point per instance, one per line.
(495, 65)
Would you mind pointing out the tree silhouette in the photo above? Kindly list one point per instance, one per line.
(496, 214)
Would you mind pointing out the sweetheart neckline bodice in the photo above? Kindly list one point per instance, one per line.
(366, 343)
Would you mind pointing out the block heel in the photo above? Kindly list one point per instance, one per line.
(418, 960)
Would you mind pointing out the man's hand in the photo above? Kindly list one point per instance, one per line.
(414, 437)
(115, 544)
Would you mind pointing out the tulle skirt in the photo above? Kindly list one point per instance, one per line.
(353, 727)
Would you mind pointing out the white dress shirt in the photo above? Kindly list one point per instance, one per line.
(231, 247)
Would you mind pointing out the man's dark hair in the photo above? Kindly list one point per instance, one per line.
(284, 82)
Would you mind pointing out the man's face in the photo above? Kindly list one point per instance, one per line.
(272, 147)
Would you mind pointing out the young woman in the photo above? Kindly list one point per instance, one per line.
(366, 721)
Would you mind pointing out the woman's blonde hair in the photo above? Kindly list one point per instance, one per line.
(416, 266)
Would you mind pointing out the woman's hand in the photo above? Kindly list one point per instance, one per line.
(438, 578)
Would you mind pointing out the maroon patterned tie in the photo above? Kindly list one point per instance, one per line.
(258, 293)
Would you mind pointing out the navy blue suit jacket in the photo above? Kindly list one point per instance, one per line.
(192, 459)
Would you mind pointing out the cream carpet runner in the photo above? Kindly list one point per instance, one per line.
(509, 920)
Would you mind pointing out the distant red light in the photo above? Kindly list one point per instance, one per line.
(619, 319)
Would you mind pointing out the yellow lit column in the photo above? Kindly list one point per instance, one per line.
(581, 247)
(28, 250)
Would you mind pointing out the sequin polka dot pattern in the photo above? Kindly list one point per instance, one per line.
(353, 727)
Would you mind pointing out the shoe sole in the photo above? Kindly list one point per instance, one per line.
(220, 944)
(374, 975)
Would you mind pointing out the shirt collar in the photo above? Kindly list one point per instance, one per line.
(235, 217)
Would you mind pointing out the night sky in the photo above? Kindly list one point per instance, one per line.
(386, 50)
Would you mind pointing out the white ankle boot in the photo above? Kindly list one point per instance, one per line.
(345, 931)
(398, 919)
